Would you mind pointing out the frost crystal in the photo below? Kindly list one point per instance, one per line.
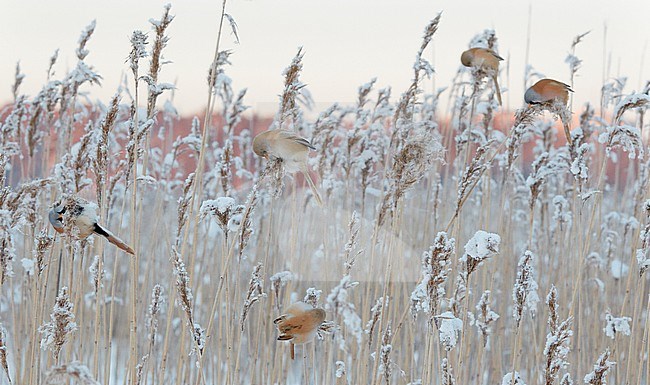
(562, 216)
(644, 262)
(75, 371)
(226, 211)
(618, 269)
(642, 252)
(579, 168)
(625, 136)
(28, 265)
(616, 325)
(340, 369)
(449, 328)
(508, 380)
(282, 277)
(312, 296)
(480, 247)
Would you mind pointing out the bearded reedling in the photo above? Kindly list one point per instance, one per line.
(548, 92)
(299, 324)
(83, 216)
(486, 59)
(291, 149)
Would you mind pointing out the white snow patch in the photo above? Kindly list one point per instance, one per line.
(449, 328)
(618, 269)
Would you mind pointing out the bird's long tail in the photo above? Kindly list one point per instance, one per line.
(314, 190)
(498, 90)
(113, 239)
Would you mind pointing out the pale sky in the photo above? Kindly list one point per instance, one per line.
(346, 43)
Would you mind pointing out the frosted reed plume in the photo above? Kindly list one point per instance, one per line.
(97, 274)
(100, 162)
(289, 115)
(157, 301)
(3, 352)
(73, 371)
(312, 296)
(246, 224)
(436, 266)
(350, 250)
(226, 211)
(406, 106)
(484, 317)
(255, 293)
(642, 253)
(338, 302)
(603, 365)
(156, 60)
(470, 177)
(409, 165)
(415, 144)
(572, 60)
(18, 80)
(184, 203)
(185, 298)
(447, 373)
(202, 198)
(556, 349)
(375, 315)
(524, 293)
(479, 248)
(280, 280)
(386, 364)
(56, 333)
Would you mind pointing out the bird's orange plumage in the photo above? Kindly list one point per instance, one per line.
(486, 59)
(549, 89)
(299, 324)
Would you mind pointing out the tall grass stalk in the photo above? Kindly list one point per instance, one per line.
(226, 242)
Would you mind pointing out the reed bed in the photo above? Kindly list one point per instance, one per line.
(448, 250)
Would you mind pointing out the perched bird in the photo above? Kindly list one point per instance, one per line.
(291, 149)
(82, 214)
(299, 324)
(548, 92)
(485, 59)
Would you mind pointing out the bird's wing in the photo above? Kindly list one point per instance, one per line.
(284, 134)
(292, 324)
(555, 83)
(496, 55)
